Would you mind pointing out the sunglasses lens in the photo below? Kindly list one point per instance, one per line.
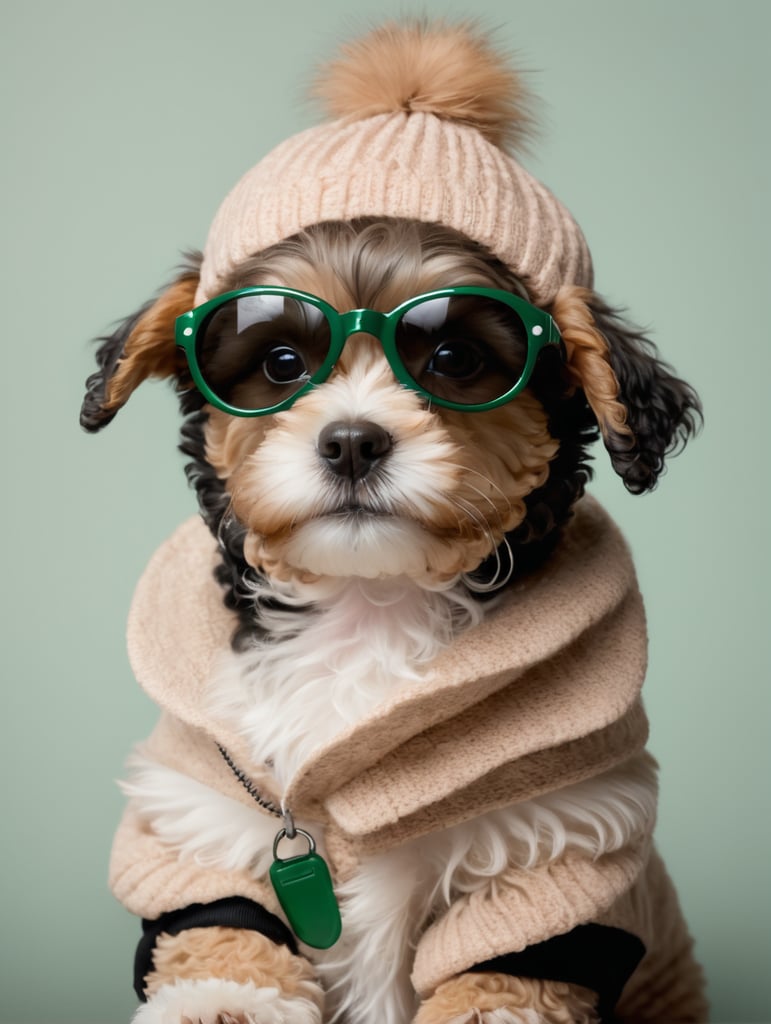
(468, 349)
(255, 351)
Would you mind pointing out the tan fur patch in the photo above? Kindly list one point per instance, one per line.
(234, 954)
(150, 350)
(588, 358)
(465, 998)
(504, 454)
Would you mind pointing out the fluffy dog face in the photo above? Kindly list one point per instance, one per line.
(364, 477)
(360, 477)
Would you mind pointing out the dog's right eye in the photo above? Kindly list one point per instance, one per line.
(458, 360)
(283, 365)
(467, 349)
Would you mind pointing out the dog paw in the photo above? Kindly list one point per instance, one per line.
(215, 1001)
(488, 998)
(502, 1015)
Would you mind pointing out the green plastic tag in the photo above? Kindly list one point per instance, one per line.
(304, 889)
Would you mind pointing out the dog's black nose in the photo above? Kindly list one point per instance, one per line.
(353, 449)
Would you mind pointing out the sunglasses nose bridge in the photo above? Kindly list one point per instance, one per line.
(363, 321)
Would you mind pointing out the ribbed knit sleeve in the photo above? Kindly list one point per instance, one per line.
(150, 879)
(669, 983)
(521, 909)
(628, 890)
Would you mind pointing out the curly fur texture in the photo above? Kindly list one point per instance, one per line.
(501, 999)
(644, 411)
(239, 956)
(663, 411)
(139, 349)
(216, 1001)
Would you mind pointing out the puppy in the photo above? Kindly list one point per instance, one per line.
(400, 772)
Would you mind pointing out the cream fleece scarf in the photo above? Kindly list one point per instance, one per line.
(544, 693)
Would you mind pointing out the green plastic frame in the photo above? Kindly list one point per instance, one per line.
(541, 333)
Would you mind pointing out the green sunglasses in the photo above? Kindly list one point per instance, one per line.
(256, 350)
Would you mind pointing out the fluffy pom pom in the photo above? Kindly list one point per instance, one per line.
(452, 71)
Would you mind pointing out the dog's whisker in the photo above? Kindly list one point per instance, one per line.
(490, 483)
(472, 514)
(496, 510)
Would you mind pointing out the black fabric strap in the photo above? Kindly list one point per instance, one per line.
(596, 956)
(235, 912)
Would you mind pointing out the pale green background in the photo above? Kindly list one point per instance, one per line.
(123, 126)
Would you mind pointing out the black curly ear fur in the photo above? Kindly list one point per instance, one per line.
(141, 346)
(663, 411)
(645, 412)
(94, 412)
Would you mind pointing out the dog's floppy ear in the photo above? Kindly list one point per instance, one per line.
(643, 410)
(142, 346)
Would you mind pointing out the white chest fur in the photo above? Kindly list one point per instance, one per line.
(321, 670)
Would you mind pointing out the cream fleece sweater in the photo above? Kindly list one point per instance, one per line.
(544, 693)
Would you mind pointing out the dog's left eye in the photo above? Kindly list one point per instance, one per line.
(283, 364)
(457, 360)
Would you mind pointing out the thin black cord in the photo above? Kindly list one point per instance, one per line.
(249, 785)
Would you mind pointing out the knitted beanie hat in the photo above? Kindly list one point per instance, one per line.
(423, 118)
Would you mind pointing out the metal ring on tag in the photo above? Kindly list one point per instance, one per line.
(298, 831)
(289, 825)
